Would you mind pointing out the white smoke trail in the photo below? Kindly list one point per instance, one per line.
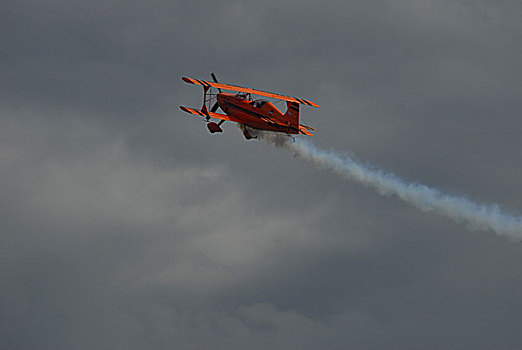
(475, 216)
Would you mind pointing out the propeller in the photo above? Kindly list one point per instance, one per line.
(216, 105)
(215, 80)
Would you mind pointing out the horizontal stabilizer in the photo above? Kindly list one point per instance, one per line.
(303, 129)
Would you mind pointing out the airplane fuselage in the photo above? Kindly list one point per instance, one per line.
(254, 114)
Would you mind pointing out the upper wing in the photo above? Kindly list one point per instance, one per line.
(249, 90)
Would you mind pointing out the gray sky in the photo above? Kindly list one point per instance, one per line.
(125, 224)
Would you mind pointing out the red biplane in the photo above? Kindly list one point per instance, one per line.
(249, 113)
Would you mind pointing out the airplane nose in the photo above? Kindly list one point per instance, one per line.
(221, 100)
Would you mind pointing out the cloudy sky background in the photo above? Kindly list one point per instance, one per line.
(124, 224)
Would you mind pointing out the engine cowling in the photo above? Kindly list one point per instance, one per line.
(213, 127)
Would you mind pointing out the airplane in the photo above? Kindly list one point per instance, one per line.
(251, 114)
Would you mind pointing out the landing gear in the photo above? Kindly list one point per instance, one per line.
(247, 135)
(214, 127)
(246, 132)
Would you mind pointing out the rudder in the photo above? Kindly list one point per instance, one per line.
(292, 114)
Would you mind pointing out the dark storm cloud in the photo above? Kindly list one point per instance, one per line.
(125, 225)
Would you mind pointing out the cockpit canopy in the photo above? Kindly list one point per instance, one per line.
(258, 103)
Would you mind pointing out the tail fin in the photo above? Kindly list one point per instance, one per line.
(292, 114)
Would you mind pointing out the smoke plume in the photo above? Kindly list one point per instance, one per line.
(475, 216)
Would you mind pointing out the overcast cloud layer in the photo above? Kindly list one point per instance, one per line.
(125, 224)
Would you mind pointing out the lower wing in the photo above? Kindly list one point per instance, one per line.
(200, 113)
(303, 129)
